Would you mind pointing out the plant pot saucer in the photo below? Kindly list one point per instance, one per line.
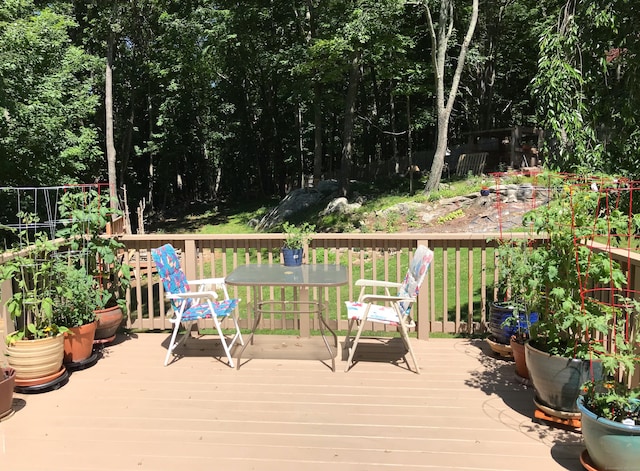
(46, 383)
(7, 414)
(560, 414)
(82, 364)
(104, 341)
(586, 462)
(500, 348)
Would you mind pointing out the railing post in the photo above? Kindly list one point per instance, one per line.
(190, 259)
(424, 319)
(6, 324)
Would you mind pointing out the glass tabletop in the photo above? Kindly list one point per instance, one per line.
(280, 275)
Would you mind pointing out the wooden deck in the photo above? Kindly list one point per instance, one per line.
(282, 411)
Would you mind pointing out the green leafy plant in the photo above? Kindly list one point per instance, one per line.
(458, 213)
(568, 324)
(612, 400)
(520, 282)
(76, 293)
(30, 266)
(296, 237)
(87, 214)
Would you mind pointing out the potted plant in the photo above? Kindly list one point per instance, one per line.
(7, 383)
(296, 239)
(76, 298)
(35, 349)
(564, 341)
(520, 284)
(610, 408)
(87, 215)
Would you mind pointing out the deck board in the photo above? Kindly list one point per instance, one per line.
(285, 410)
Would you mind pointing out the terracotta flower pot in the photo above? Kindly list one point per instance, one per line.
(36, 358)
(7, 382)
(78, 342)
(108, 322)
(517, 349)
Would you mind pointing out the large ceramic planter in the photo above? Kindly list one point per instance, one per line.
(558, 381)
(109, 321)
(611, 445)
(78, 342)
(33, 359)
(7, 382)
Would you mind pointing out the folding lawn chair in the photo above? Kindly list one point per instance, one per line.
(390, 310)
(189, 306)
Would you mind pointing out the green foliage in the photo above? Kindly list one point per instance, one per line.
(586, 86)
(47, 99)
(568, 323)
(86, 215)
(77, 293)
(31, 267)
(296, 237)
(458, 213)
(613, 401)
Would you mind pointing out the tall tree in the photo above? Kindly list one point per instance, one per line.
(47, 99)
(441, 33)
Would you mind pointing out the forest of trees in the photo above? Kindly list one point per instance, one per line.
(202, 100)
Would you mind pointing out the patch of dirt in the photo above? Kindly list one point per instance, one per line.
(471, 213)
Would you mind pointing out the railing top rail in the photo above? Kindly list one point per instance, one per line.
(334, 236)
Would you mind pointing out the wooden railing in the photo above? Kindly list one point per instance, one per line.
(453, 298)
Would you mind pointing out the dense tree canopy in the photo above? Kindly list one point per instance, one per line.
(225, 99)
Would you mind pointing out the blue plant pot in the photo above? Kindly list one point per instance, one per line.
(611, 445)
(499, 313)
(292, 257)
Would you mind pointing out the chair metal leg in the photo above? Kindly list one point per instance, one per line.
(405, 337)
(347, 339)
(352, 349)
(223, 340)
(172, 343)
(238, 334)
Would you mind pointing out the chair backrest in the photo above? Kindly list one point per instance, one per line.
(416, 273)
(173, 278)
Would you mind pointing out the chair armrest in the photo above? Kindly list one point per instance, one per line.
(369, 298)
(194, 295)
(207, 281)
(378, 283)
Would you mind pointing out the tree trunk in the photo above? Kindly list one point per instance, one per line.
(108, 104)
(439, 41)
(310, 18)
(394, 136)
(317, 133)
(349, 112)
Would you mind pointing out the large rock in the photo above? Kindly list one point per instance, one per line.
(296, 201)
(340, 206)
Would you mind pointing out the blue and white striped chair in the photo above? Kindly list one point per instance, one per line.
(386, 308)
(189, 306)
